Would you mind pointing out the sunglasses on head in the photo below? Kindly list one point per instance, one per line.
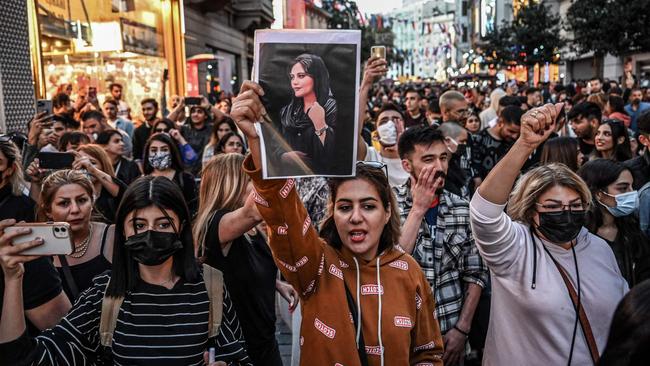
(374, 165)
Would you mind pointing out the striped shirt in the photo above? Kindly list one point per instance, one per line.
(154, 326)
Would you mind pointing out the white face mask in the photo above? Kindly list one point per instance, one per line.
(387, 133)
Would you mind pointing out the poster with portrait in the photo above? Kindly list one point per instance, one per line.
(311, 81)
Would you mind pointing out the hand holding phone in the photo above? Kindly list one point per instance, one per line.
(44, 105)
(378, 51)
(12, 248)
(55, 160)
(189, 101)
(55, 237)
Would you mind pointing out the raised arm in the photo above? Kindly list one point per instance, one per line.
(493, 231)
(375, 68)
(297, 249)
(237, 223)
(536, 126)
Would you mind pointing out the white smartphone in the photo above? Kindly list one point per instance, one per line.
(55, 235)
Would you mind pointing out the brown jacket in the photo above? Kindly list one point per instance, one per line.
(394, 297)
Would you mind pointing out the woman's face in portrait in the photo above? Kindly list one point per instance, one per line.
(301, 83)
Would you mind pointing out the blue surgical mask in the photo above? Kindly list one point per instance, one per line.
(626, 204)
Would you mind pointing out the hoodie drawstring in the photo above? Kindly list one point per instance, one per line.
(356, 264)
(381, 345)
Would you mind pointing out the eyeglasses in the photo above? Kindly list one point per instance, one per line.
(557, 207)
(374, 165)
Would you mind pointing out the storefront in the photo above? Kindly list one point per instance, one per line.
(95, 43)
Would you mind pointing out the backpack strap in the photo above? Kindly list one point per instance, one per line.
(213, 279)
(110, 310)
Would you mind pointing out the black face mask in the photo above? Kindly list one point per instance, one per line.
(461, 150)
(561, 227)
(152, 248)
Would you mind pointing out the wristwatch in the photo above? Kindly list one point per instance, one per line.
(321, 131)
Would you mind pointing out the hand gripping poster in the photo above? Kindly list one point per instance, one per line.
(311, 84)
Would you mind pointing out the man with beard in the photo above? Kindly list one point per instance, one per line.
(436, 231)
(585, 120)
(142, 132)
(636, 107)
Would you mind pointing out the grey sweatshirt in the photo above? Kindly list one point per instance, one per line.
(534, 326)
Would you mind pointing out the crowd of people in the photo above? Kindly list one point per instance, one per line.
(499, 224)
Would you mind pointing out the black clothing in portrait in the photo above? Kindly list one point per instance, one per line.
(299, 133)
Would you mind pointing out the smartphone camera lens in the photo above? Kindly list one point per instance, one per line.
(56, 230)
(63, 230)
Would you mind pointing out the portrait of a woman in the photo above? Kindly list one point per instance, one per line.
(308, 122)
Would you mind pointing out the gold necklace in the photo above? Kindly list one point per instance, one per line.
(83, 248)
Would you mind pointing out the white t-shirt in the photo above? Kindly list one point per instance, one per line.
(396, 174)
(537, 324)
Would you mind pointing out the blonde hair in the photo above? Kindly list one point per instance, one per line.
(523, 199)
(223, 185)
(56, 180)
(14, 160)
(98, 153)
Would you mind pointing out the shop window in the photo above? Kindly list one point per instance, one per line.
(95, 43)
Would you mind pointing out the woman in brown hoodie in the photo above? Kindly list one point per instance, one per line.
(353, 274)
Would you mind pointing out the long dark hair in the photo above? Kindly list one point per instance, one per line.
(144, 192)
(315, 67)
(377, 178)
(561, 150)
(598, 174)
(622, 151)
(629, 335)
(177, 162)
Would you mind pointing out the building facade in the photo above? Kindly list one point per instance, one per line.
(17, 105)
(432, 36)
(219, 34)
(93, 44)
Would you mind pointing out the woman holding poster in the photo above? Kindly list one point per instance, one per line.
(308, 122)
(364, 301)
